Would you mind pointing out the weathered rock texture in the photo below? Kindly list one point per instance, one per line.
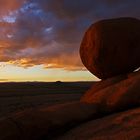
(121, 126)
(111, 47)
(46, 122)
(116, 97)
(101, 85)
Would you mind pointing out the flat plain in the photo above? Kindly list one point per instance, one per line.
(20, 96)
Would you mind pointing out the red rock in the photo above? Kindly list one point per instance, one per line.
(119, 96)
(112, 47)
(101, 85)
(35, 124)
(121, 126)
(133, 74)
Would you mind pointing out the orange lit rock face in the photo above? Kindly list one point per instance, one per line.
(111, 47)
(115, 96)
(101, 85)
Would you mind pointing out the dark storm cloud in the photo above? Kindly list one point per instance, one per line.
(71, 9)
(73, 17)
(49, 32)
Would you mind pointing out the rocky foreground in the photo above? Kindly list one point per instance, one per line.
(110, 110)
(120, 126)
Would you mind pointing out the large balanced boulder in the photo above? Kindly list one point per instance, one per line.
(111, 47)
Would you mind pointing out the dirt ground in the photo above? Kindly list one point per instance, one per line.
(20, 96)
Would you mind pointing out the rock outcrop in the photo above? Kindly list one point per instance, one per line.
(119, 96)
(102, 85)
(46, 122)
(120, 126)
(111, 47)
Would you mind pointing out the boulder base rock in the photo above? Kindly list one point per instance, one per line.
(112, 47)
(116, 97)
(101, 85)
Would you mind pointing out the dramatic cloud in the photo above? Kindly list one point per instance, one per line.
(10, 5)
(49, 32)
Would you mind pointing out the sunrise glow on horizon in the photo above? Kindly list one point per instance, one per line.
(10, 73)
(40, 40)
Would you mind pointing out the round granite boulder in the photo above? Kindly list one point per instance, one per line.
(111, 47)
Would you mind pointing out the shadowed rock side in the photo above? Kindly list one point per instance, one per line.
(111, 47)
(46, 122)
(121, 126)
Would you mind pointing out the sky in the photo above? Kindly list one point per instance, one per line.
(40, 39)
